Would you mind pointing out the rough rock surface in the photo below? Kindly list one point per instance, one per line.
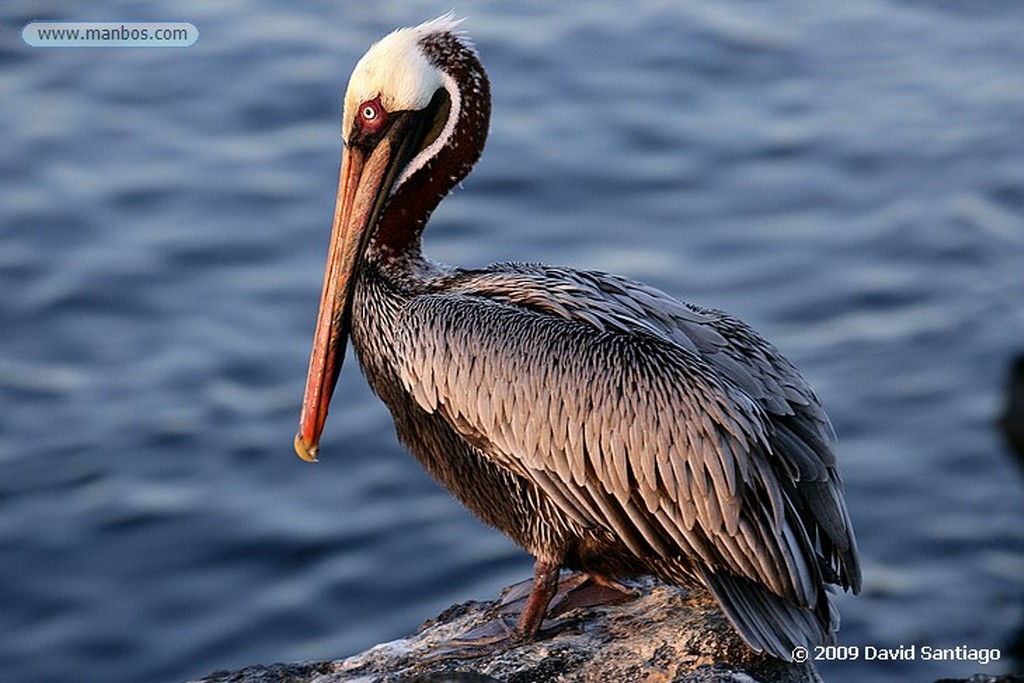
(666, 635)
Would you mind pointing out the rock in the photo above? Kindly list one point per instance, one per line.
(274, 673)
(666, 635)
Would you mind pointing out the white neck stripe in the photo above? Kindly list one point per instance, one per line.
(435, 147)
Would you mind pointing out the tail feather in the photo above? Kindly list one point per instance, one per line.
(770, 623)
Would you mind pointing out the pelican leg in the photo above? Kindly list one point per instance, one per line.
(545, 585)
(589, 590)
(499, 634)
(575, 590)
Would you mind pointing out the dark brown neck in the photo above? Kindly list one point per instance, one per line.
(401, 224)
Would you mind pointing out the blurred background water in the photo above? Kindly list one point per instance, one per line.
(847, 177)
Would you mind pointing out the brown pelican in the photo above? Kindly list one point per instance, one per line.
(601, 424)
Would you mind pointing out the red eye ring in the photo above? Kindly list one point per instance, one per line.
(371, 114)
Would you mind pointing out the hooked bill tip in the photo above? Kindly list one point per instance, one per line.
(305, 451)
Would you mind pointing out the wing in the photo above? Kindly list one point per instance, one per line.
(627, 430)
(732, 352)
(612, 302)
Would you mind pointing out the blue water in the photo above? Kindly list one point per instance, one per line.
(848, 177)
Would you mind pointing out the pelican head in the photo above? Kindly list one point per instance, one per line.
(403, 107)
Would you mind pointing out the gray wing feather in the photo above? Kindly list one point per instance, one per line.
(667, 424)
(623, 428)
(729, 346)
(612, 302)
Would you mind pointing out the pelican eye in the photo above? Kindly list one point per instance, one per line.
(371, 114)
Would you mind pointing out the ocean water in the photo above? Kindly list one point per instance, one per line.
(847, 177)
